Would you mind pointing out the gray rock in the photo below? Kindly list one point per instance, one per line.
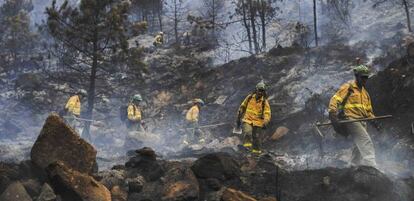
(32, 187)
(112, 178)
(15, 192)
(220, 165)
(46, 194)
(136, 184)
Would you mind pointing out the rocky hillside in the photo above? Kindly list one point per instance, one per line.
(52, 173)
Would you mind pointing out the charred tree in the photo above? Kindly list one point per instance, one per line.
(17, 41)
(407, 12)
(247, 25)
(315, 25)
(253, 13)
(88, 37)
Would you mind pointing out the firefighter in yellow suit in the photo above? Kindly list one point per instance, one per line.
(255, 114)
(135, 114)
(352, 101)
(192, 118)
(73, 108)
(159, 39)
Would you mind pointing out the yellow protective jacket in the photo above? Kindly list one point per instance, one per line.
(74, 105)
(192, 114)
(134, 113)
(358, 104)
(159, 39)
(253, 114)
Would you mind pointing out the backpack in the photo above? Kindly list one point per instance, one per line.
(341, 108)
(341, 129)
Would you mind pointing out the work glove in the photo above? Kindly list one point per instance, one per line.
(334, 120)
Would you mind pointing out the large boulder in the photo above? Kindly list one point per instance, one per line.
(73, 185)
(144, 163)
(220, 165)
(357, 184)
(15, 192)
(180, 183)
(58, 142)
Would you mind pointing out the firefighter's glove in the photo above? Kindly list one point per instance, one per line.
(334, 120)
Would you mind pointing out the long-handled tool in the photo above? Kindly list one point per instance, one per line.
(355, 120)
(208, 126)
(81, 119)
(317, 124)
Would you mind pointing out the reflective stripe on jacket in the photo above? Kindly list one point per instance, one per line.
(253, 111)
(192, 114)
(358, 104)
(134, 112)
(74, 105)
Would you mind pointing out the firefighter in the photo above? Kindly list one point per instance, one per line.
(254, 113)
(352, 101)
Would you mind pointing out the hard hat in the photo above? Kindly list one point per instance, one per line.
(361, 70)
(137, 97)
(161, 33)
(261, 86)
(82, 92)
(198, 100)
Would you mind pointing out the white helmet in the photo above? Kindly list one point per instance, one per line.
(82, 92)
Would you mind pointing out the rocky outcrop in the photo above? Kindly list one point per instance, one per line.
(358, 184)
(15, 192)
(111, 178)
(47, 193)
(59, 142)
(73, 185)
(118, 194)
(180, 183)
(220, 166)
(32, 187)
(145, 163)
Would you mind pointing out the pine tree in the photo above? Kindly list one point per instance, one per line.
(88, 36)
(16, 39)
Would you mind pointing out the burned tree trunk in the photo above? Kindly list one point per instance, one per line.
(253, 25)
(315, 26)
(407, 12)
(246, 25)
